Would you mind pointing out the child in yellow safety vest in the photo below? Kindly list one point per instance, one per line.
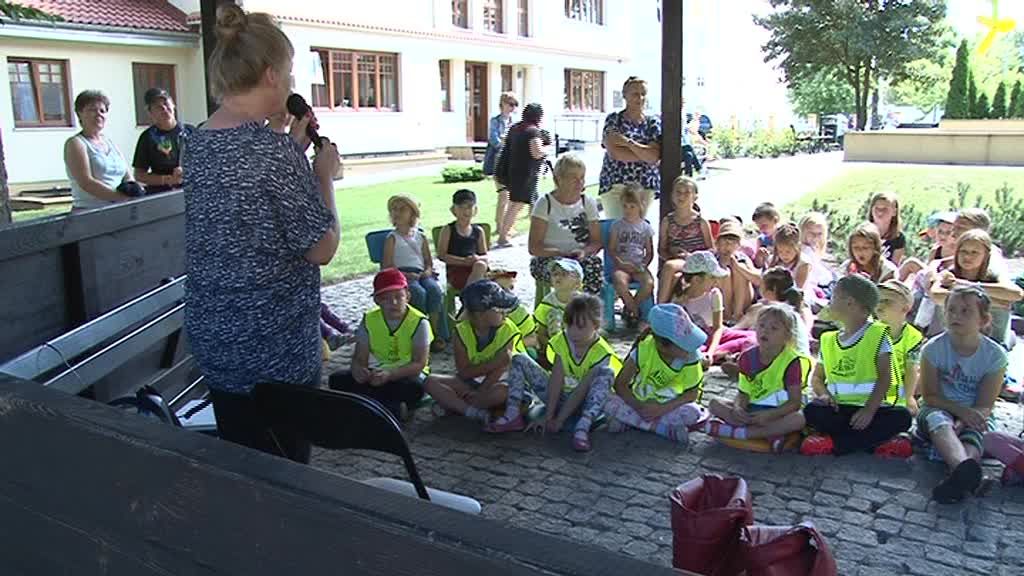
(520, 316)
(852, 379)
(398, 337)
(894, 303)
(585, 366)
(772, 376)
(660, 385)
(485, 342)
(566, 282)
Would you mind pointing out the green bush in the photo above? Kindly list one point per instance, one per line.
(453, 174)
(1006, 213)
(756, 144)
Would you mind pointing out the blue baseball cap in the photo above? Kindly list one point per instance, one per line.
(569, 265)
(670, 321)
(484, 295)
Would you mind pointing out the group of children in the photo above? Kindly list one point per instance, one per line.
(749, 308)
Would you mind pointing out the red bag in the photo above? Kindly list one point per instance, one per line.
(707, 514)
(786, 551)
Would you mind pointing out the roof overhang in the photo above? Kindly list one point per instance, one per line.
(95, 34)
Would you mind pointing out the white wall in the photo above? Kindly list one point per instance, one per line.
(36, 154)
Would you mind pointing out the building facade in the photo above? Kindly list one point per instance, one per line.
(403, 75)
(121, 48)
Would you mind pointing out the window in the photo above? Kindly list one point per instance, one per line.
(493, 17)
(589, 11)
(446, 85)
(39, 92)
(460, 13)
(146, 76)
(506, 78)
(357, 80)
(584, 90)
(524, 17)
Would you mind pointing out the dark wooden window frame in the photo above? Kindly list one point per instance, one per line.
(578, 106)
(38, 93)
(354, 72)
(597, 8)
(467, 22)
(173, 89)
(445, 71)
(523, 18)
(499, 19)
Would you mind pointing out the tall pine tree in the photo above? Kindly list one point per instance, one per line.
(999, 102)
(957, 106)
(982, 110)
(972, 96)
(1016, 109)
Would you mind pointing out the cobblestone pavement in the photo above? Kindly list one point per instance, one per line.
(875, 513)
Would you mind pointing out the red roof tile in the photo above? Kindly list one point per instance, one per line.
(138, 14)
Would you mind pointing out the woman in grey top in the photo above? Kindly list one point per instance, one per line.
(93, 163)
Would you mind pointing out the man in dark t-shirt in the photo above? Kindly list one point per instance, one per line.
(158, 152)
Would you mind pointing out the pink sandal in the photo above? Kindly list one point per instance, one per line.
(581, 442)
(501, 425)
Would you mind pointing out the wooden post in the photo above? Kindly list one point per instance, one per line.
(671, 98)
(208, 19)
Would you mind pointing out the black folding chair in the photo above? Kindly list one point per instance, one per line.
(338, 420)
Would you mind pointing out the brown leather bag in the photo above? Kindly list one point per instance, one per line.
(786, 551)
(707, 514)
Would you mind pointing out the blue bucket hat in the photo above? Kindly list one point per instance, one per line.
(484, 295)
(670, 321)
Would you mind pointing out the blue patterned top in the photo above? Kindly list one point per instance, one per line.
(613, 171)
(252, 210)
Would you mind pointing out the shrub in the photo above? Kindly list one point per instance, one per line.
(453, 174)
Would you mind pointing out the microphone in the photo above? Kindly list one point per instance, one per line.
(298, 108)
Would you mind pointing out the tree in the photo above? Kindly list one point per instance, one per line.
(999, 102)
(14, 12)
(982, 110)
(860, 41)
(822, 94)
(972, 96)
(1016, 109)
(957, 104)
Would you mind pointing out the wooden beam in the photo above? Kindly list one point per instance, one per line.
(208, 23)
(671, 98)
(115, 493)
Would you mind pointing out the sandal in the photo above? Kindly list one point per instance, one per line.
(581, 441)
(501, 425)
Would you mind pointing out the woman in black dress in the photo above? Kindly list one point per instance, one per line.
(519, 166)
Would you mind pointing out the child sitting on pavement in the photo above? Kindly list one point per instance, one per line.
(772, 376)
(1010, 451)
(895, 300)
(521, 317)
(585, 366)
(852, 378)
(631, 248)
(566, 282)
(462, 245)
(961, 376)
(485, 342)
(397, 336)
(738, 287)
(659, 387)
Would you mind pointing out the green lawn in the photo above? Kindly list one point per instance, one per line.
(23, 215)
(927, 189)
(364, 209)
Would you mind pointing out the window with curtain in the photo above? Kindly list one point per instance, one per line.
(584, 90)
(524, 17)
(506, 78)
(460, 13)
(590, 11)
(357, 80)
(39, 92)
(445, 69)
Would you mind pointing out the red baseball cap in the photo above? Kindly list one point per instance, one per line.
(389, 279)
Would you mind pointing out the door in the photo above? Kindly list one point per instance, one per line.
(476, 101)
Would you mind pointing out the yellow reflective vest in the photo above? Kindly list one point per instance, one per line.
(657, 381)
(506, 333)
(768, 387)
(909, 339)
(394, 348)
(851, 373)
(576, 372)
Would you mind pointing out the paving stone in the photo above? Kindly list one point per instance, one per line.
(914, 501)
(556, 493)
(661, 537)
(582, 534)
(836, 486)
(636, 529)
(894, 511)
(983, 550)
(759, 487)
(640, 549)
(778, 517)
(921, 567)
(580, 515)
(609, 506)
(858, 535)
(532, 503)
(978, 533)
(922, 518)
(618, 493)
(954, 527)
(941, 554)
(897, 485)
(872, 494)
(650, 502)
(886, 526)
(978, 565)
(553, 526)
(505, 482)
(827, 499)
(853, 518)
(532, 488)
(769, 501)
(636, 514)
(799, 506)
(796, 493)
(858, 504)
(498, 511)
(614, 541)
(826, 526)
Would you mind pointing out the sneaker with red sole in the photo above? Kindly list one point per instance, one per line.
(817, 446)
(897, 447)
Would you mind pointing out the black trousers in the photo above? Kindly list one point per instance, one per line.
(391, 395)
(888, 422)
(239, 420)
(691, 163)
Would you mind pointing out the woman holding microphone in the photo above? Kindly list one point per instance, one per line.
(259, 224)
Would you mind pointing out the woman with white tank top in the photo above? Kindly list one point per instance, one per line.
(93, 163)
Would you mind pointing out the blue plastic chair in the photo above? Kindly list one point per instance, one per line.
(375, 244)
(608, 294)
